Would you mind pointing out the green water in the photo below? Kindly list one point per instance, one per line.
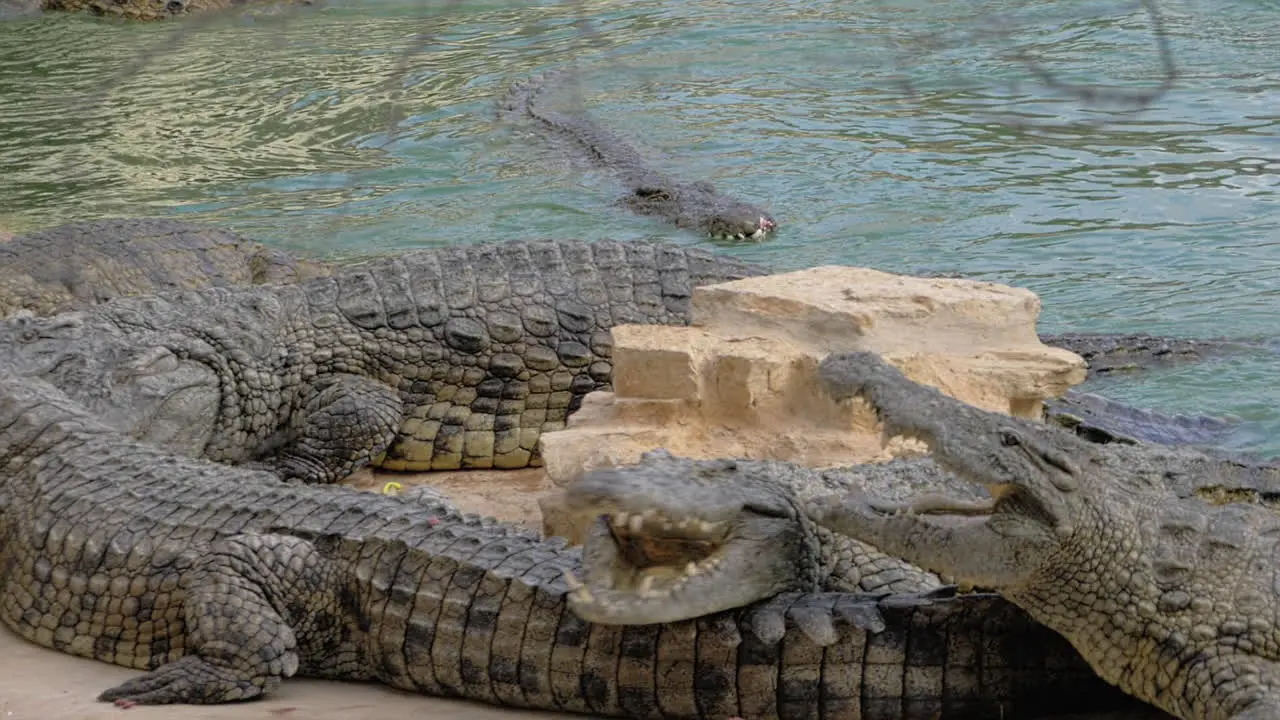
(1165, 221)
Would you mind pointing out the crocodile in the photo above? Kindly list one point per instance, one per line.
(692, 205)
(1102, 420)
(672, 538)
(152, 10)
(439, 359)
(442, 359)
(1108, 353)
(220, 582)
(79, 264)
(1171, 598)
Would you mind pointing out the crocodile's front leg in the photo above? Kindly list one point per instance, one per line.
(258, 609)
(348, 422)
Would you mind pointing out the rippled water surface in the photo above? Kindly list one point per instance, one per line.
(904, 135)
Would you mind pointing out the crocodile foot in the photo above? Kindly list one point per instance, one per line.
(190, 680)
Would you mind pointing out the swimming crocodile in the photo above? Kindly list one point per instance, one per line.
(221, 582)
(1171, 598)
(79, 264)
(692, 205)
(150, 10)
(451, 358)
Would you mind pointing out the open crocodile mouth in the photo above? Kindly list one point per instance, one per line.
(654, 549)
(763, 227)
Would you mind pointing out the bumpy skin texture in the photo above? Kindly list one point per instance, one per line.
(442, 359)
(691, 205)
(1110, 352)
(1101, 420)
(674, 538)
(1171, 598)
(221, 582)
(152, 9)
(80, 264)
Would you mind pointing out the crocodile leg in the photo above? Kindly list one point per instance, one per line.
(257, 604)
(349, 422)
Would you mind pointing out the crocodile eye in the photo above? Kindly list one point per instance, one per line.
(1009, 439)
(28, 335)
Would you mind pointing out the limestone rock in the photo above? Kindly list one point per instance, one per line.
(741, 381)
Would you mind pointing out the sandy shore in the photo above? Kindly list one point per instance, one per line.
(41, 684)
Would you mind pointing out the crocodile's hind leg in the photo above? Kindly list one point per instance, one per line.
(258, 607)
(348, 422)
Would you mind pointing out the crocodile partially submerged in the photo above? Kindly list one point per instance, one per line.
(692, 205)
(1103, 420)
(221, 582)
(153, 10)
(1171, 598)
(73, 266)
(443, 359)
(1108, 353)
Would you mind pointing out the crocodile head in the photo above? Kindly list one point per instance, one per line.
(698, 206)
(673, 538)
(1042, 481)
(132, 381)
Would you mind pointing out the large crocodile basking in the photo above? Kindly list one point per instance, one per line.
(1172, 598)
(692, 205)
(441, 359)
(221, 582)
(451, 358)
(73, 266)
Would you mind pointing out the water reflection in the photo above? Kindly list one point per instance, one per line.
(1163, 221)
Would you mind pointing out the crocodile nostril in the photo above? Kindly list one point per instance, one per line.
(175, 6)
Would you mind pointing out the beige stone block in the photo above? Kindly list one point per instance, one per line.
(660, 365)
(742, 382)
(839, 309)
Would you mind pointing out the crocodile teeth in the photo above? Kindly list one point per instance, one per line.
(635, 524)
(646, 585)
(691, 569)
(742, 236)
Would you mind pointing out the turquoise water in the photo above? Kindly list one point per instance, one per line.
(281, 126)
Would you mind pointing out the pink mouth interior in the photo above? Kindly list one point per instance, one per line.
(767, 224)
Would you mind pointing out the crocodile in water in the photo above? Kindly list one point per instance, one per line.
(220, 582)
(693, 205)
(1171, 598)
(147, 10)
